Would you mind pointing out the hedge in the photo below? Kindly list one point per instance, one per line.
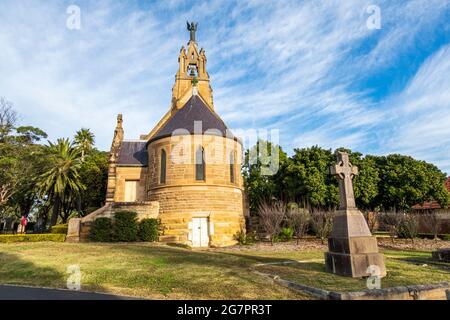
(148, 230)
(9, 238)
(101, 230)
(60, 229)
(125, 226)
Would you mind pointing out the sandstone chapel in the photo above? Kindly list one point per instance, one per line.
(185, 172)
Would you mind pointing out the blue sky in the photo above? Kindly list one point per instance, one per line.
(309, 68)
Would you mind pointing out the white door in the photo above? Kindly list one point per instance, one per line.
(130, 191)
(200, 234)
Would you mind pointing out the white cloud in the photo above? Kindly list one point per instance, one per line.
(420, 114)
(287, 65)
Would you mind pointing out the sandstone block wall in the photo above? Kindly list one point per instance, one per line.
(221, 205)
(130, 173)
(182, 197)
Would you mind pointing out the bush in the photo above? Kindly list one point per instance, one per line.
(271, 217)
(125, 226)
(409, 227)
(60, 229)
(244, 238)
(30, 227)
(322, 223)
(445, 237)
(298, 219)
(148, 230)
(391, 221)
(101, 230)
(9, 238)
(286, 234)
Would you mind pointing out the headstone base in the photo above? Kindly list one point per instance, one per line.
(356, 265)
(353, 251)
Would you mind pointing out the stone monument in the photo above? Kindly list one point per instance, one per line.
(353, 251)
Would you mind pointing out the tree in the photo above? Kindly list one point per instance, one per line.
(406, 182)
(84, 140)
(63, 175)
(21, 162)
(307, 179)
(261, 171)
(94, 175)
(8, 118)
(29, 135)
(272, 215)
(298, 220)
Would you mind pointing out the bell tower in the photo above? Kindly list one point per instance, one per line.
(191, 72)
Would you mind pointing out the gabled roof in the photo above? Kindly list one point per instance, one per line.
(194, 110)
(133, 153)
(433, 204)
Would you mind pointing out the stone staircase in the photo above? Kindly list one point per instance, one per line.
(79, 228)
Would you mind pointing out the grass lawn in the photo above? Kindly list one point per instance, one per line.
(404, 268)
(165, 272)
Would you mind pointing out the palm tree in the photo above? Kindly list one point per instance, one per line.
(84, 140)
(62, 177)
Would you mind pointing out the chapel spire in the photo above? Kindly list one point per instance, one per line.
(192, 69)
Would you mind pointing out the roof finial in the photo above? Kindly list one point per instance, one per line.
(192, 28)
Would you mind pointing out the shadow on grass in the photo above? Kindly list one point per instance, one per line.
(24, 280)
(203, 274)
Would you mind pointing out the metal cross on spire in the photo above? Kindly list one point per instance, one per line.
(192, 28)
(345, 172)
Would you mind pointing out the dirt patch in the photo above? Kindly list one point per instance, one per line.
(303, 245)
(419, 244)
(312, 244)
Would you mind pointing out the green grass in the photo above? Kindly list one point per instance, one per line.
(165, 272)
(404, 268)
(143, 270)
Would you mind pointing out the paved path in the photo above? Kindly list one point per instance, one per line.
(10, 292)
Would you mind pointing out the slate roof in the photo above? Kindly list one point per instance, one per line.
(433, 204)
(133, 153)
(194, 110)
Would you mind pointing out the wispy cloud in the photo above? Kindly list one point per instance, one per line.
(312, 69)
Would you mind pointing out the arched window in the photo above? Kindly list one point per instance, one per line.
(232, 178)
(200, 164)
(162, 174)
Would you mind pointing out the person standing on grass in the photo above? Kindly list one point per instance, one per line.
(23, 224)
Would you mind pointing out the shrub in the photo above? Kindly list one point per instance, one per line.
(30, 227)
(286, 234)
(125, 226)
(298, 220)
(101, 230)
(391, 221)
(272, 215)
(60, 229)
(244, 238)
(409, 227)
(148, 230)
(445, 237)
(432, 222)
(8, 238)
(322, 223)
